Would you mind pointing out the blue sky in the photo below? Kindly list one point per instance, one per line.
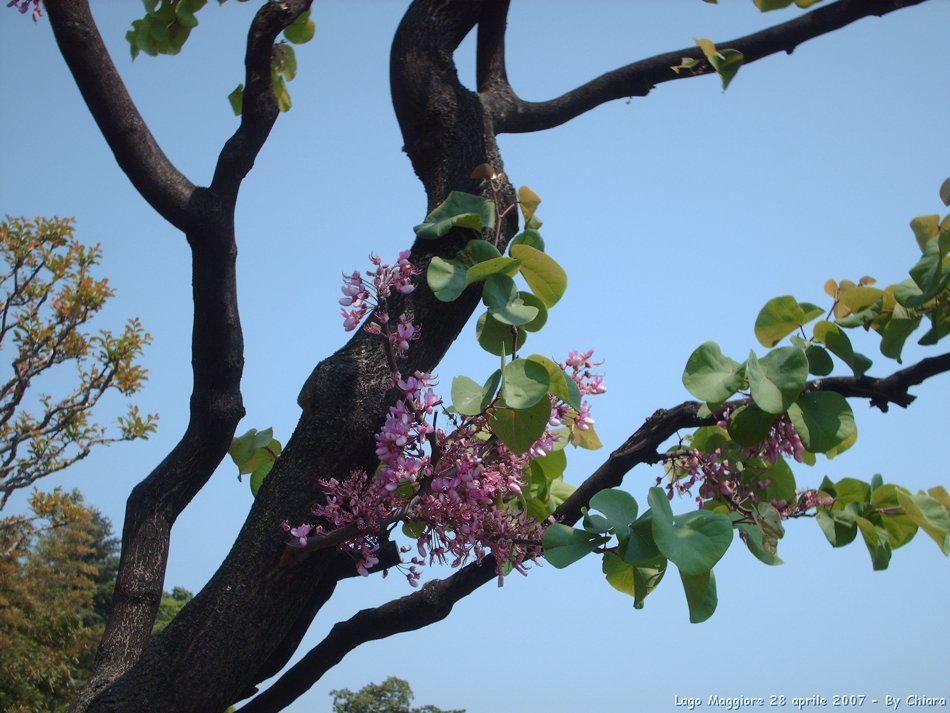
(677, 216)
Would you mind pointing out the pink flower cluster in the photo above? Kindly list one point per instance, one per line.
(459, 491)
(24, 5)
(722, 479)
(399, 443)
(588, 384)
(581, 365)
(372, 291)
(456, 501)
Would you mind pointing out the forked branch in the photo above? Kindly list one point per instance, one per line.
(259, 103)
(166, 189)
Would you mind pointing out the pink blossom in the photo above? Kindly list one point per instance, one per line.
(24, 5)
(300, 532)
(351, 319)
(372, 292)
(584, 420)
(460, 489)
(720, 478)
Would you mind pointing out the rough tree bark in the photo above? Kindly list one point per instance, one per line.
(254, 610)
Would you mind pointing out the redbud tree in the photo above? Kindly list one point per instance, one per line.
(388, 470)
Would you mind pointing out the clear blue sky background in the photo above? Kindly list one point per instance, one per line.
(677, 216)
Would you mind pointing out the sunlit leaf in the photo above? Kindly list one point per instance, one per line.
(780, 317)
(762, 548)
(301, 30)
(459, 210)
(518, 429)
(524, 383)
(236, 98)
(446, 278)
(637, 581)
(925, 227)
(899, 527)
(470, 398)
(686, 63)
(694, 541)
(586, 438)
(529, 202)
(544, 276)
(529, 237)
(541, 318)
(929, 515)
(618, 506)
(726, 62)
(823, 420)
(504, 301)
(877, 542)
(712, 376)
(930, 274)
(700, 595)
(777, 379)
(855, 299)
(562, 386)
(565, 545)
(484, 172)
(496, 266)
(497, 338)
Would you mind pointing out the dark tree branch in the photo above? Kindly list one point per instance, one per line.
(343, 567)
(642, 446)
(430, 604)
(217, 344)
(216, 408)
(891, 389)
(260, 105)
(435, 600)
(430, 102)
(153, 175)
(514, 115)
(490, 72)
(243, 615)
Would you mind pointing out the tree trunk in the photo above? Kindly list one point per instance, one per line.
(212, 651)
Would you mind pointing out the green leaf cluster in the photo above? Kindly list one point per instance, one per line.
(515, 395)
(283, 64)
(254, 453)
(896, 311)
(775, 381)
(167, 24)
(637, 549)
(545, 488)
(165, 27)
(887, 516)
(775, 384)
